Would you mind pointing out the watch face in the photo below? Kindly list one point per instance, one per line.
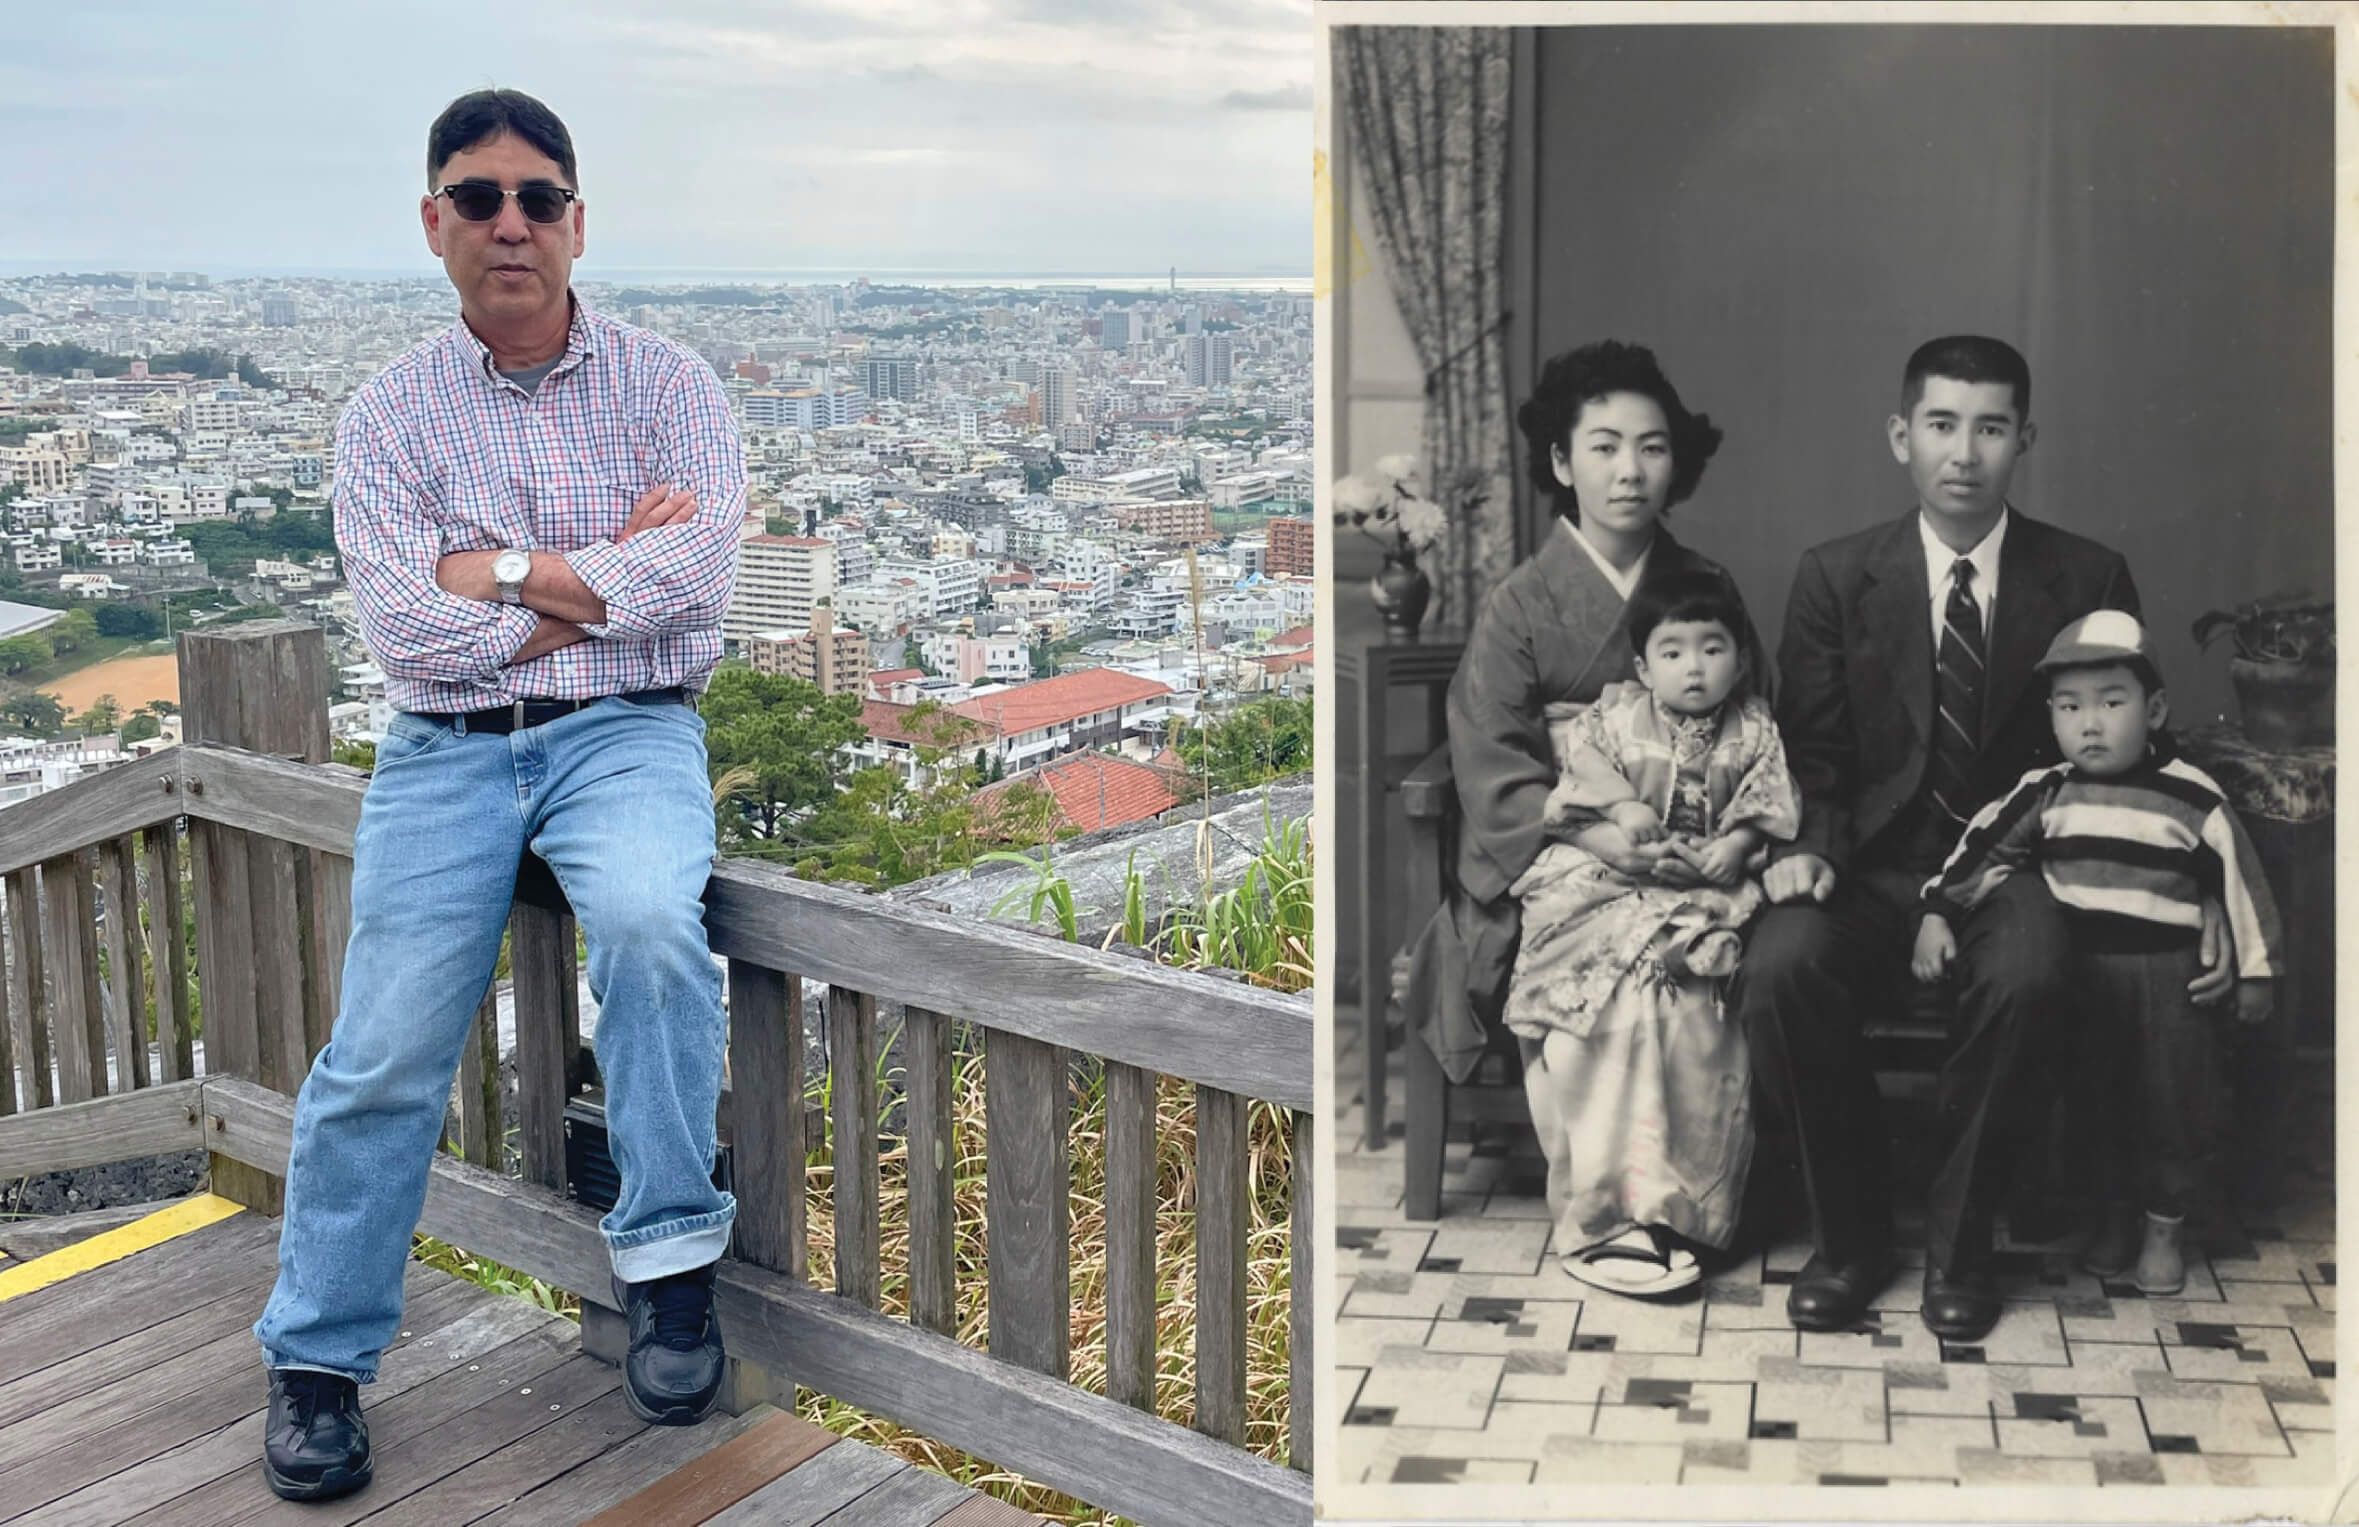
(511, 566)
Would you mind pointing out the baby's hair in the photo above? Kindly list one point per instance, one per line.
(1683, 597)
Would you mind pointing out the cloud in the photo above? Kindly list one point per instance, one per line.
(1284, 98)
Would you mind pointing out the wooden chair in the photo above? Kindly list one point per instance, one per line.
(1906, 1044)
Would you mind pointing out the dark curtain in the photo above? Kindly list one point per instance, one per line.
(1426, 108)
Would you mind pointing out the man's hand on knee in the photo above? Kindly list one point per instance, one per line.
(1799, 877)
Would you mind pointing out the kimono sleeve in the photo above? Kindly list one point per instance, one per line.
(1588, 777)
(1765, 797)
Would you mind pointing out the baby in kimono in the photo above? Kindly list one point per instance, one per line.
(1640, 1090)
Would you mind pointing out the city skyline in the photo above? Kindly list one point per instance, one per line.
(1028, 138)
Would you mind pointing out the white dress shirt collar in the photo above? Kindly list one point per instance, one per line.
(1939, 559)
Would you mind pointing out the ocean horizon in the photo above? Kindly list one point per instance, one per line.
(591, 274)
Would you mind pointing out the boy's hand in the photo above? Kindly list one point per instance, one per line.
(1723, 859)
(2254, 1001)
(1936, 948)
(658, 506)
(1637, 820)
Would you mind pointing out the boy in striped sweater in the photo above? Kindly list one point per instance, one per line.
(2132, 840)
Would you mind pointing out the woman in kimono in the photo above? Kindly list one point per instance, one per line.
(1611, 446)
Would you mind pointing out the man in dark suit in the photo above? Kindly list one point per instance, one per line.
(1906, 702)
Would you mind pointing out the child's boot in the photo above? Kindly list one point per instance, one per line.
(2162, 1266)
(2113, 1250)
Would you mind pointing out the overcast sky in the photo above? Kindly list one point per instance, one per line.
(1005, 136)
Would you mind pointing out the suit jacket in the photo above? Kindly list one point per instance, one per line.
(1553, 630)
(1857, 687)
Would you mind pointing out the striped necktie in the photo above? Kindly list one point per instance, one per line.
(1959, 670)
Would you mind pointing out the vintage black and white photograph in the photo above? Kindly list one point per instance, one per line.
(1832, 536)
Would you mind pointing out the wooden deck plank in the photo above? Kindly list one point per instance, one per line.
(567, 1442)
(987, 1511)
(721, 1478)
(125, 1424)
(482, 1322)
(815, 1490)
(236, 1492)
(229, 1311)
(53, 1323)
(470, 1433)
(133, 1295)
(620, 1473)
(910, 1497)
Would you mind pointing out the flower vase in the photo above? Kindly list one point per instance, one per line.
(1400, 591)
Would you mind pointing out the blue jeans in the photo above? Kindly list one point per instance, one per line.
(616, 799)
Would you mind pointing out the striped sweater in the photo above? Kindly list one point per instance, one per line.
(2143, 848)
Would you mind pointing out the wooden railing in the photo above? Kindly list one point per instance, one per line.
(249, 827)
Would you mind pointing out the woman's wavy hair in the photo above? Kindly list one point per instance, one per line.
(1582, 376)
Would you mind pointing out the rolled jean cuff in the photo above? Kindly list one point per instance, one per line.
(279, 1362)
(675, 1246)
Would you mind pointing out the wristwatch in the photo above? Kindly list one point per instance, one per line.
(508, 570)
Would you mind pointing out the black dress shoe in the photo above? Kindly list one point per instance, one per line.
(1960, 1306)
(672, 1372)
(1831, 1296)
(315, 1446)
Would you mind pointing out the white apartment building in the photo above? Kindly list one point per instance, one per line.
(114, 553)
(34, 556)
(1145, 482)
(169, 552)
(978, 659)
(780, 581)
(1242, 489)
(883, 607)
(950, 584)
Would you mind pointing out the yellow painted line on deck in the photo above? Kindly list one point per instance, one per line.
(114, 1245)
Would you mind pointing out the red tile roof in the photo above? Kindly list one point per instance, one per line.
(1053, 702)
(1095, 790)
(1300, 636)
(888, 722)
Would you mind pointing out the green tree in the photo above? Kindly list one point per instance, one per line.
(355, 755)
(129, 620)
(885, 831)
(19, 653)
(140, 728)
(78, 629)
(37, 714)
(1263, 739)
(777, 745)
(104, 715)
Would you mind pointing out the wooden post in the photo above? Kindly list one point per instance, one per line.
(263, 686)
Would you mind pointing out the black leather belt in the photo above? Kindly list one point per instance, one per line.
(520, 714)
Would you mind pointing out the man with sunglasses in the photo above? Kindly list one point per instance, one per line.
(538, 510)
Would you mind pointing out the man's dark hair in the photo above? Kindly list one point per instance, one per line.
(482, 115)
(1685, 596)
(1580, 377)
(1967, 358)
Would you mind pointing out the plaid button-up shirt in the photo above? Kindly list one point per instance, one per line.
(440, 453)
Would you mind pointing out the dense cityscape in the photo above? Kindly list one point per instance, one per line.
(1066, 516)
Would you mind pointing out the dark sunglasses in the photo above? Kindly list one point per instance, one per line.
(480, 203)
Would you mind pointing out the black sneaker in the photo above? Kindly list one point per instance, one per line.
(315, 1446)
(672, 1372)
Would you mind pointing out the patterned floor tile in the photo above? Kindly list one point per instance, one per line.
(1588, 1461)
(1880, 1338)
(1632, 1325)
(1820, 1404)
(2212, 1418)
(2243, 1354)
(1561, 1378)
(1397, 1294)
(1361, 1339)
(1432, 1389)
(1488, 1246)
(1507, 1326)
(1677, 1410)
(1371, 1248)
(2027, 1332)
(2049, 1425)
(1988, 1466)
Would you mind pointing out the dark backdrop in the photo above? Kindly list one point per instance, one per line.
(1784, 212)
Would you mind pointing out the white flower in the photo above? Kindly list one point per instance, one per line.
(1399, 469)
(1422, 524)
(1360, 494)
